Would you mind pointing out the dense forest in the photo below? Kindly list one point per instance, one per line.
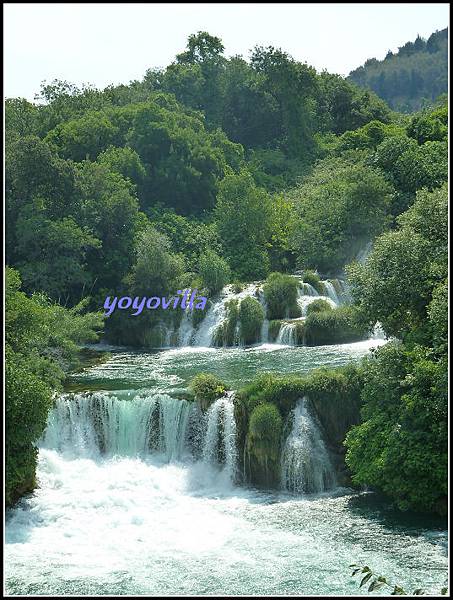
(218, 170)
(412, 78)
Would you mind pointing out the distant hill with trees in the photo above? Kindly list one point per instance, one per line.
(413, 77)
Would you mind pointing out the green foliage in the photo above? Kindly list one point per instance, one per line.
(401, 445)
(158, 270)
(410, 166)
(395, 286)
(263, 445)
(243, 213)
(377, 582)
(156, 267)
(206, 388)
(214, 271)
(369, 136)
(225, 334)
(189, 237)
(265, 403)
(53, 254)
(42, 341)
(334, 326)
(318, 305)
(312, 278)
(28, 400)
(343, 200)
(343, 106)
(124, 161)
(280, 293)
(414, 76)
(266, 423)
(430, 125)
(251, 316)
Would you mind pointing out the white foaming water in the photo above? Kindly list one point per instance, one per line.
(113, 517)
(186, 329)
(287, 334)
(306, 465)
(217, 313)
(331, 292)
(99, 423)
(220, 438)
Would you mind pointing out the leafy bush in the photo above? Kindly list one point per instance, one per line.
(214, 270)
(280, 292)
(28, 400)
(42, 341)
(319, 305)
(401, 445)
(334, 326)
(263, 445)
(313, 279)
(251, 316)
(266, 423)
(206, 388)
(225, 334)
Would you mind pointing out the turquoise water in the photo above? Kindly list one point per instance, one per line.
(152, 524)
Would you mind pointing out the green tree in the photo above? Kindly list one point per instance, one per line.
(243, 217)
(214, 270)
(341, 203)
(41, 345)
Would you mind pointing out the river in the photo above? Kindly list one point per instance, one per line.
(139, 518)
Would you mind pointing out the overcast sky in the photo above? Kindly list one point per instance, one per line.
(115, 43)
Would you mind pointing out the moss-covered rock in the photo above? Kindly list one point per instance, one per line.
(280, 293)
(335, 326)
(312, 278)
(274, 329)
(226, 332)
(207, 387)
(251, 317)
(263, 446)
(334, 396)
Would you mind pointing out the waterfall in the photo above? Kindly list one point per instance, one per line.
(331, 292)
(264, 335)
(186, 329)
(304, 300)
(307, 289)
(220, 438)
(306, 466)
(217, 314)
(90, 425)
(363, 254)
(287, 334)
(378, 333)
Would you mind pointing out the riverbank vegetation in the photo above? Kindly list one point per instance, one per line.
(42, 345)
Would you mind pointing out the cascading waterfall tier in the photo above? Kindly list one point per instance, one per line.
(306, 466)
(287, 334)
(220, 438)
(335, 292)
(94, 424)
(108, 424)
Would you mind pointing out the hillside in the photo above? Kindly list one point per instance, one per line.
(413, 77)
